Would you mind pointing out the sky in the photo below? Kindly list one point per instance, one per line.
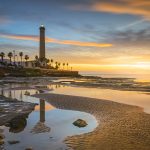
(109, 36)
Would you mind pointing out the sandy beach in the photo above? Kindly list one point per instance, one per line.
(120, 126)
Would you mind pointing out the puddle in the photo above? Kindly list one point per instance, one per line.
(46, 127)
(126, 97)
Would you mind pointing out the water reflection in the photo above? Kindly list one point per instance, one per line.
(10, 94)
(2, 137)
(42, 110)
(2, 91)
(125, 97)
(21, 96)
(46, 127)
(17, 124)
(41, 127)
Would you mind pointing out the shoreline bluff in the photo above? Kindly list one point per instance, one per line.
(120, 126)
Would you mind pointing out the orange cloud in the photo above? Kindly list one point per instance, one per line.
(133, 7)
(78, 43)
(21, 37)
(51, 40)
(121, 9)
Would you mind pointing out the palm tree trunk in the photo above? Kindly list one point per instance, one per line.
(21, 60)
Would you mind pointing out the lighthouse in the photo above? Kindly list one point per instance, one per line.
(42, 42)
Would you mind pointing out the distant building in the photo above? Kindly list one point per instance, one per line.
(29, 64)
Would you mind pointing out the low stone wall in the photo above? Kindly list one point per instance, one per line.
(33, 72)
(49, 72)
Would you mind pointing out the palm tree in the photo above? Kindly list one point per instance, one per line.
(37, 63)
(36, 58)
(2, 55)
(10, 55)
(51, 62)
(67, 65)
(21, 55)
(59, 65)
(26, 58)
(56, 63)
(63, 65)
(47, 61)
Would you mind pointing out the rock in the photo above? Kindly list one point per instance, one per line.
(80, 123)
(1, 109)
(29, 148)
(17, 124)
(13, 142)
(2, 136)
(1, 130)
(1, 142)
(41, 91)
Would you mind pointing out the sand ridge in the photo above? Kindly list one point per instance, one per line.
(121, 126)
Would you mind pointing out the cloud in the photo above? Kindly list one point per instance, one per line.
(132, 24)
(52, 40)
(20, 37)
(136, 38)
(132, 7)
(127, 39)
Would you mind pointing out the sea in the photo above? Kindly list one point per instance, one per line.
(137, 77)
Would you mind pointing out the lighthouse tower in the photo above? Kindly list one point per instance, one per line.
(42, 42)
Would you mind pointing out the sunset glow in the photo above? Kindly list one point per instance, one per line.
(75, 74)
(110, 36)
(66, 42)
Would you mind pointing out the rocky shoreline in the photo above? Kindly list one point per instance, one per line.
(124, 84)
(13, 114)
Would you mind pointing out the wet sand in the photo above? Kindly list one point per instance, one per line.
(120, 126)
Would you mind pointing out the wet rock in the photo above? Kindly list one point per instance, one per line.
(11, 108)
(2, 136)
(41, 91)
(2, 142)
(80, 123)
(17, 124)
(29, 148)
(1, 109)
(13, 142)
